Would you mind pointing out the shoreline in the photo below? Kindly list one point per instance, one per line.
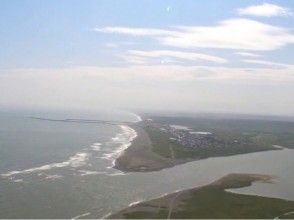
(124, 139)
(179, 202)
(152, 149)
(139, 157)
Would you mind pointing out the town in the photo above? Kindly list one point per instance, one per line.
(188, 138)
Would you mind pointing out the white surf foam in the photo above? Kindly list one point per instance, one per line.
(134, 203)
(90, 172)
(200, 132)
(96, 146)
(123, 140)
(53, 177)
(78, 160)
(116, 174)
(82, 215)
(106, 216)
(278, 146)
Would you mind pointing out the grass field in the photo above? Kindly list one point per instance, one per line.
(270, 132)
(164, 146)
(212, 201)
(251, 136)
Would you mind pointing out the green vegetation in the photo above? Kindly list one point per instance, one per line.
(213, 201)
(235, 136)
(168, 148)
(162, 145)
(290, 216)
(269, 132)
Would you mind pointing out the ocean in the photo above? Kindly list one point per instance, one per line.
(43, 162)
(55, 169)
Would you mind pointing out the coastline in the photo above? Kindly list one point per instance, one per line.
(124, 139)
(194, 202)
(153, 150)
(139, 157)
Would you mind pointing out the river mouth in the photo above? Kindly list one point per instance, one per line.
(118, 191)
(95, 194)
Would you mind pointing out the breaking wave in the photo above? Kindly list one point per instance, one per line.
(53, 177)
(123, 140)
(78, 160)
(118, 144)
(90, 172)
(135, 203)
(96, 146)
(82, 215)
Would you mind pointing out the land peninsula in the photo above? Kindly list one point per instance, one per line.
(212, 201)
(164, 142)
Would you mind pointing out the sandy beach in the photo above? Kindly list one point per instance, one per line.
(139, 157)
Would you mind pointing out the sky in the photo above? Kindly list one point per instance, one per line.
(229, 56)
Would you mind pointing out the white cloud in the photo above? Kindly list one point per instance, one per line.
(233, 34)
(266, 10)
(131, 59)
(245, 34)
(177, 54)
(268, 63)
(135, 31)
(246, 54)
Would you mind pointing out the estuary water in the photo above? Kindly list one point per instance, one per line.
(64, 170)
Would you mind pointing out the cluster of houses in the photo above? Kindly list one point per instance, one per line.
(188, 138)
(195, 139)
